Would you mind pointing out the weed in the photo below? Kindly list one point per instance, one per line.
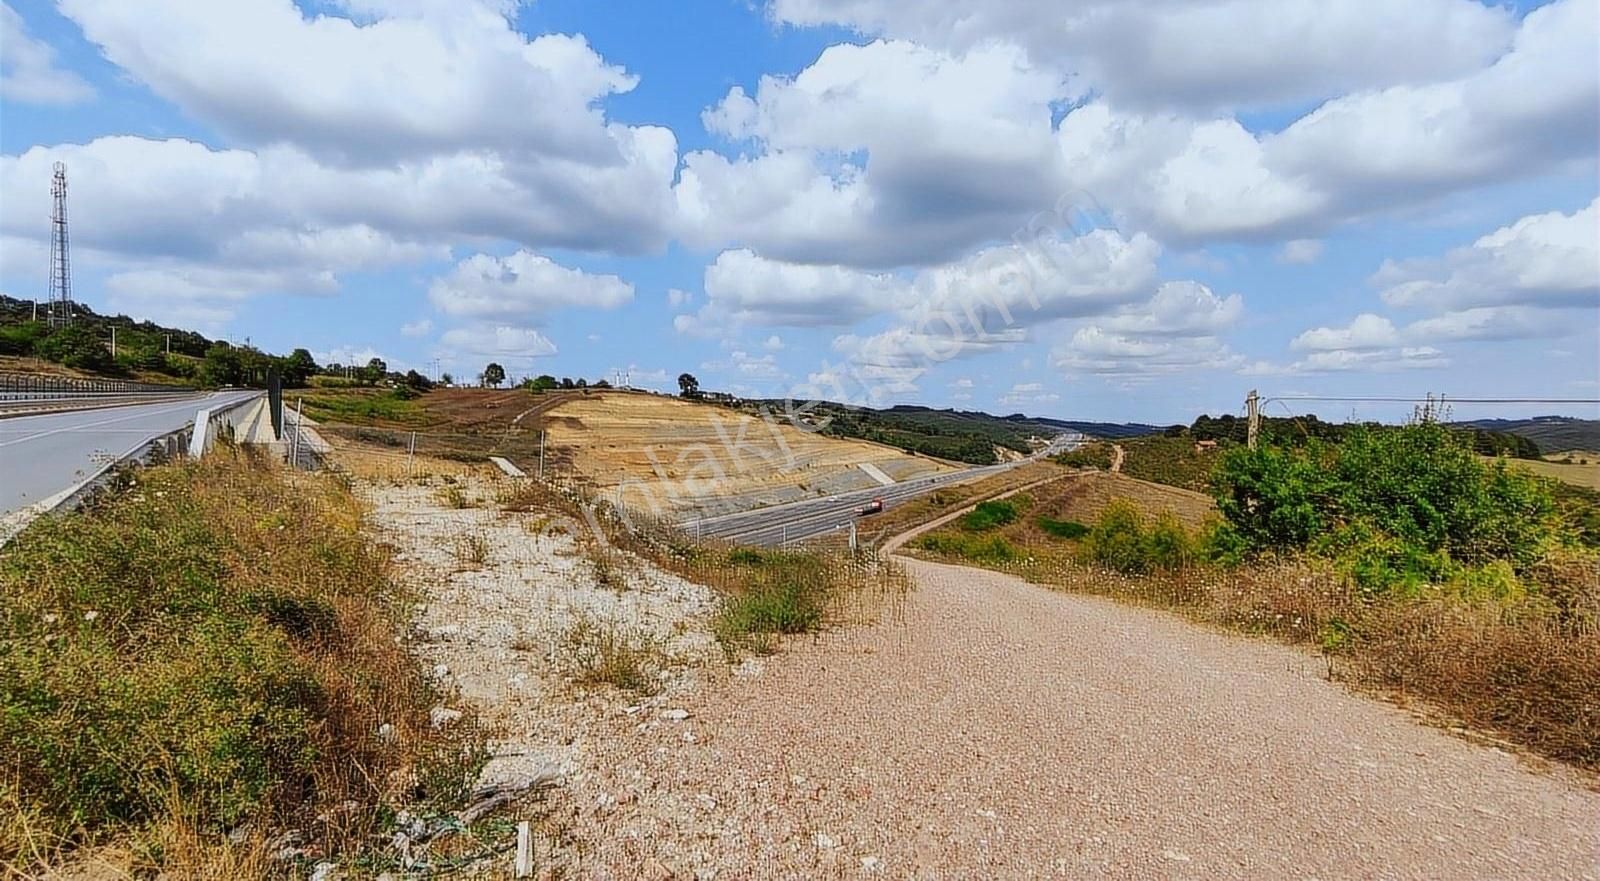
(1067, 529)
(472, 549)
(991, 515)
(452, 495)
(599, 652)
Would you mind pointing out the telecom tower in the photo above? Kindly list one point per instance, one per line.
(60, 260)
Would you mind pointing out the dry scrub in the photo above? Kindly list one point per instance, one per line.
(211, 649)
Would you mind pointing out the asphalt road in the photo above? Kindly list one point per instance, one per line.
(775, 525)
(43, 455)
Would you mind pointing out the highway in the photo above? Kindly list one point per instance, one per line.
(793, 521)
(45, 455)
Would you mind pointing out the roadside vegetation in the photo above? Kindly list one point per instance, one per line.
(201, 661)
(1420, 568)
(1094, 454)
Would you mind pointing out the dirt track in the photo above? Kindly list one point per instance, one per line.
(1007, 731)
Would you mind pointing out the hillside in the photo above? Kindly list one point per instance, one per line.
(961, 435)
(672, 453)
(1553, 434)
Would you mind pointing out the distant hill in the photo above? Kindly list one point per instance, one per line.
(961, 435)
(1553, 434)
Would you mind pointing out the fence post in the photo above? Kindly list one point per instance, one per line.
(294, 448)
(411, 454)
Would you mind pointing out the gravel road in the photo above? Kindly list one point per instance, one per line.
(1006, 731)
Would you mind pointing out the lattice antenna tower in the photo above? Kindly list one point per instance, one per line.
(60, 255)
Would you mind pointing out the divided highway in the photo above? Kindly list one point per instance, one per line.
(42, 456)
(793, 521)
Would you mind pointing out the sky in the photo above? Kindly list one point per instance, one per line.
(1126, 210)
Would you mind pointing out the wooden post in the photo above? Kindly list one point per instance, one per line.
(1253, 426)
(411, 453)
(541, 454)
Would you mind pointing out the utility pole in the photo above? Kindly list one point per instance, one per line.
(169, 344)
(541, 454)
(113, 341)
(1252, 405)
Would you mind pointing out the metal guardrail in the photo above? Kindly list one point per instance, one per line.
(34, 387)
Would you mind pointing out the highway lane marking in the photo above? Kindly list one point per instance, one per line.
(88, 425)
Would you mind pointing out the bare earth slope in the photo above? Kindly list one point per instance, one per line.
(677, 454)
(1006, 731)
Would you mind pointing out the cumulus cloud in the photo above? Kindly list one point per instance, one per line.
(503, 341)
(398, 80)
(743, 287)
(1365, 332)
(1097, 351)
(1300, 251)
(28, 71)
(1162, 52)
(522, 286)
(1029, 393)
(419, 328)
(959, 148)
(1550, 260)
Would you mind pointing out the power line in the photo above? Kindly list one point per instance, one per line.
(1442, 398)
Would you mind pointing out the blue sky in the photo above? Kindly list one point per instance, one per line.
(1131, 210)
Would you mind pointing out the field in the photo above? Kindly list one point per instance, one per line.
(1170, 460)
(1566, 469)
(675, 454)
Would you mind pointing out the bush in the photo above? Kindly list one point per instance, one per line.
(1067, 529)
(980, 549)
(1123, 540)
(1420, 486)
(785, 593)
(990, 515)
(1089, 455)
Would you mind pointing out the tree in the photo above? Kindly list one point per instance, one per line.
(417, 381)
(446, 379)
(566, 383)
(543, 383)
(375, 371)
(221, 366)
(298, 368)
(493, 375)
(688, 386)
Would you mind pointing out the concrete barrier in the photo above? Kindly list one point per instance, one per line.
(241, 420)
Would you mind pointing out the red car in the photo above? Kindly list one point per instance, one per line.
(875, 507)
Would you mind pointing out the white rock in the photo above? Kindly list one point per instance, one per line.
(675, 715)
(440, 671)
(706, 802)
(871, 864)
(1176, 856)
(824, 841)
(386, 732)
(439, 717)
(324, 872)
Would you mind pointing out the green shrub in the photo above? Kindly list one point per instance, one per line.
(990, 515)
(1090, 455)
(1117, 539)
(1122, 539)
(785, 592)
(980, 549)
(1067, 529)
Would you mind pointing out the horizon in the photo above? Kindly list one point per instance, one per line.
(999, 213)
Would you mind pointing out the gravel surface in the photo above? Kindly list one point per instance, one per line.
(1006, 731)
(993, 729)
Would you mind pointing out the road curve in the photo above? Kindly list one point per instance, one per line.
(43, 455)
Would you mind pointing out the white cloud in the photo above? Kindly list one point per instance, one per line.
(959, 149)
(350, 356)
(744, 288)
(28, 71)
(1029, 393)
(677, 298)
(1179, 308)
(434, 78)
(1550, 260)
(417, 328)
(497, 340)
(1534, 111)
(1301, 251)
(748, 366)
(774, 343)
(1366, 332)
(522, 286)
(1098, 351)
(1163, 52)
(1491, 323)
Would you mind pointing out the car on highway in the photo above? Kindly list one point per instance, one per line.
(873, 507)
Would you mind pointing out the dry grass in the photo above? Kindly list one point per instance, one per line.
(1566, 471)
(599, 652)
(213, 647)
